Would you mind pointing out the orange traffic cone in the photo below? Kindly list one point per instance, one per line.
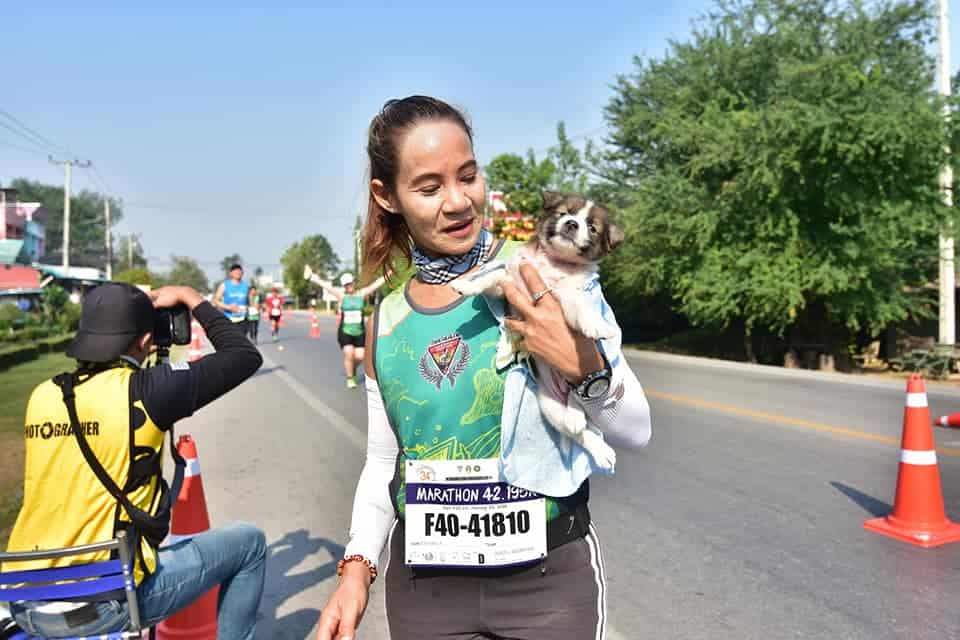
(918, 515)
(951, 421)
(314, 326)
(196, 341)
(199, 620)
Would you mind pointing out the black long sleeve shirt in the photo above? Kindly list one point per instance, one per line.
(175, 391)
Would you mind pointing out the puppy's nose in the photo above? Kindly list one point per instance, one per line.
(571, 226)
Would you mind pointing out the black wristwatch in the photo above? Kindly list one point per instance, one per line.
(596, 384)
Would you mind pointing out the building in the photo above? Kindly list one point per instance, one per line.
(23, 223)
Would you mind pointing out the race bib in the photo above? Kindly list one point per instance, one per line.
(354, 316)
(459, 515)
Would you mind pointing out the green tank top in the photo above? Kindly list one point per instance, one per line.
(437, 375)
(352, 308)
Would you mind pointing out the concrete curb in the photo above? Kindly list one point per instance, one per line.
(863, 380)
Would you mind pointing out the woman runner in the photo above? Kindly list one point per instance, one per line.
(468, 557)
(350, 329)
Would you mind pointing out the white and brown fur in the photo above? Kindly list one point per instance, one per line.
(573, 234)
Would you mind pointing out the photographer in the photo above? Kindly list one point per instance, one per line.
(94, 444)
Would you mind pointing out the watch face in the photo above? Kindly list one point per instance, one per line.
(598, 387)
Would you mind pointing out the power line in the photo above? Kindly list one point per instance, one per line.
(99, 177)
(43, 139)
(24, 149)
(23, 136)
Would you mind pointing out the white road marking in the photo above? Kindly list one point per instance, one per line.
(328, 413)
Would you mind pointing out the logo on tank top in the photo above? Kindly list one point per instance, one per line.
(446, 357)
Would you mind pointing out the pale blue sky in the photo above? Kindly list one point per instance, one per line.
(241, 130)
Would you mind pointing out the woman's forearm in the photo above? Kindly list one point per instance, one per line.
(373, 513)
(623, 414)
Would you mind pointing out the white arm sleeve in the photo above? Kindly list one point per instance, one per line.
(373, 513)
(623, 415)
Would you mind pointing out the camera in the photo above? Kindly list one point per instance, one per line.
(172, 326)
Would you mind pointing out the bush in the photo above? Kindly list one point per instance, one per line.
(10, 356)
(55, 343)
(52, 301)
(69, 318)
(19, 353)
(11, 317)
(29, 334)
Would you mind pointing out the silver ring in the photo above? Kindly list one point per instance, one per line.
(537, 296)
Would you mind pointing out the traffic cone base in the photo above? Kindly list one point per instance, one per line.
(907, 532)
(918, 515)
(199, 620)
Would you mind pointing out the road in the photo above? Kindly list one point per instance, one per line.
(742, 519)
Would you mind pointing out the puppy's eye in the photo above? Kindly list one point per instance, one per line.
(592, 228)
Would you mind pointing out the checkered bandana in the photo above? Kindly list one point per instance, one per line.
(447, 268)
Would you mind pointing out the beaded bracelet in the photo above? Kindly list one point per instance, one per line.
(357, 558)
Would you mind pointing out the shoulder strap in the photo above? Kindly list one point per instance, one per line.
(154, 528)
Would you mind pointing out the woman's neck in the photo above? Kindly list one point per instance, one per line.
(435, 296)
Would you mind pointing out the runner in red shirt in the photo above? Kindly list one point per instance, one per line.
(273, 307)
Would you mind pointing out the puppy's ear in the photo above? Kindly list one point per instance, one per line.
(551, 199)
(615, 235)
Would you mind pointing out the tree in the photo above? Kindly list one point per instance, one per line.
(87, 223)
(138, 276)
(185, 271)
(523, 180)
(314, 251)
(228, 262)
(128, 253)
(780, 168)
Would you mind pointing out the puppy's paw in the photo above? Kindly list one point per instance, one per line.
(603, 454)
(506, 349)
(575, 421)
(593, 326)
(466, 287)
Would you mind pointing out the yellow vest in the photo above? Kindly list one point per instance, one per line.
(64, 504)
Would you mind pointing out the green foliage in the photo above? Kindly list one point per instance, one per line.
(229, 261)
(16, 354)
(87, 225)
(786, 155)
(11, 317)
(69, 319)
(128, 253)
(313, 250)
(523, 179)
(937, 362)
(137, 276)
(53, 300)
(185, 271)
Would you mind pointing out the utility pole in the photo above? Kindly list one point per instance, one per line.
(947, 273)
(106, 216)
(66, 204)
(129, 251)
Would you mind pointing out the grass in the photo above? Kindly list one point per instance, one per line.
(16, 383)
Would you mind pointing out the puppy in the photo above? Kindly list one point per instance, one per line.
(572, 235)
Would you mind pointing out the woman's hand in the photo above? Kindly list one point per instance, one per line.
(346, 605)
(545, 331)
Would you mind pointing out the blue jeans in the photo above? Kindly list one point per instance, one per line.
(233, 557)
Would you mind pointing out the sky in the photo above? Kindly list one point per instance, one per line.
(241, 130)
